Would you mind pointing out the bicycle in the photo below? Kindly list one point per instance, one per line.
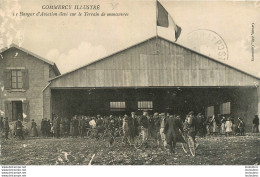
(189, 144)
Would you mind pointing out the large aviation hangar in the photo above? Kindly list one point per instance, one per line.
(157, 75)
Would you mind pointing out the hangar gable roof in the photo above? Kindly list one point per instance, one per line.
(139, 66)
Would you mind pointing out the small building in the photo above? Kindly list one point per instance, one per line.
(156, 75)
(23, 77)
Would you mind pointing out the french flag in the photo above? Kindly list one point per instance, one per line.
(164, 19)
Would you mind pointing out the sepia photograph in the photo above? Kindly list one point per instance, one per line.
(129, 82)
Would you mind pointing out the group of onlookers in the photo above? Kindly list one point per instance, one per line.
(152, 126)
(225, 125)
(18, 128)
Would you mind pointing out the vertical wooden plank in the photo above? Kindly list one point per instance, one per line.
(117, 78)
(143, 77)
(186, 78)
(187, 60)
(81, 82)
(90, 78)
(136, 76)
(108, 78)
(135, 60)
(178, 77)
(179, 62)
(143, 61)
(194, 78)
(161, 78)
(212, 77)
(128, 78)
(100, 78)
(203, 62)
(156, 77)
(115, 62)
(125, 60)
(156, 62)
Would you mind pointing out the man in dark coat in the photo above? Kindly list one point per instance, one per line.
(144, 123)
(1, 123)
(200, 123)
(43, 128)
(172, 129)
(48, 128)
(157, 126)
(34, 131)
(241, 126)
(56, 124)
(162, 126)
(82, 127)
(6, 127)
(133, 127)
(19, 129)
(100, 127)
(75, 125)
(256, 124)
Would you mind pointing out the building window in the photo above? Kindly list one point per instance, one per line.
(225, 108)
(145, 105)
(117, 106)
(17, 79)
(210, 111)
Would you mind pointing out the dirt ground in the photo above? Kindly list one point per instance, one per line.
(219, 150)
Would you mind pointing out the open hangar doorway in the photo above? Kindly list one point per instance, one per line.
(229, 101)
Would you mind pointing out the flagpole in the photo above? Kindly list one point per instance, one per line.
(156, 16)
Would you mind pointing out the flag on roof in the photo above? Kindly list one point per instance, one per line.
(164, 19)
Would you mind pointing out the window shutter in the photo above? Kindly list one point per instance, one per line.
(25, 79)
(7, 79)
(8, 110)
(26, 110)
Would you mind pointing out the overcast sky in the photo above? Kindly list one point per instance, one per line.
(74, 41)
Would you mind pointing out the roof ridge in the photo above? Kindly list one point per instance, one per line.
(27, 51)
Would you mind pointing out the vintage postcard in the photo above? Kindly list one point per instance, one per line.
(129, 82)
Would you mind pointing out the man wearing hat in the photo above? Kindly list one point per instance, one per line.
(256, 124)
(144, 127)
(100, 127)
(157, 128)
(241, 126)
(126, 130)
(173, 125)
(162, 126)
(34, 131)
(6, 127)
(133, 126)
(19, 129)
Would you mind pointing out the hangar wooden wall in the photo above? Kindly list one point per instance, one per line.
(141, 66)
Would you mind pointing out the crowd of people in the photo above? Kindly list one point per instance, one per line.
(163, 127)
